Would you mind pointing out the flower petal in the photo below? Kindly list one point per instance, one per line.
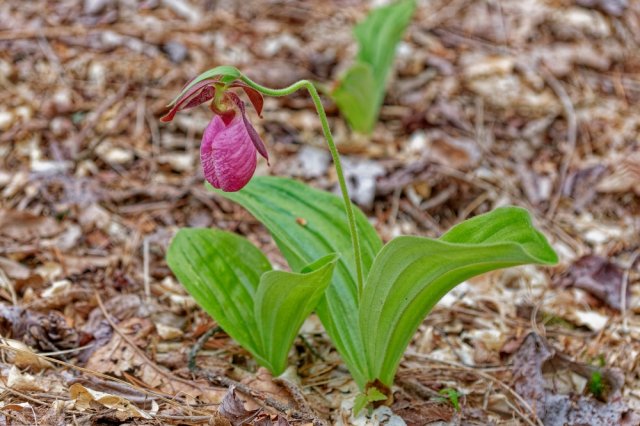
(227, 154)
(196, 95)
(255, 138)
(254, 96)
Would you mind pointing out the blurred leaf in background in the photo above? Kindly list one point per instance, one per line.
(360, 92)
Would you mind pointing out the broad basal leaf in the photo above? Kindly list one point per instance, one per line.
(307, 224)
(221, 271)
(232, 280)
(283, 301)
(360, 92)
(411, 274)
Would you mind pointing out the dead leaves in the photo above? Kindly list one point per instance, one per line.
(233, 409)
(235, 414)
(85, 398)
(25, 227)
(625, 175)
(122, 356)
(557, 388)
(611, 7)
(598, 276)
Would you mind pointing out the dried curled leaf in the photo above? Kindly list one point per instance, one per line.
(233, 409)
(598, 276)
(557, 404)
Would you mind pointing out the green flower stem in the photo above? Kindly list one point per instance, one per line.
(306, 84)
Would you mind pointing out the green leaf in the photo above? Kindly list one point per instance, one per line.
(227, 75)
(596, 387)
(365, 398)
(280, 204)
(356, 96)
(379, 34)
(361, 90)
(233, 282)
(360, 402)
(374, 394)
(453, 396)
(283, 301)
(411, 274)
(221, 271)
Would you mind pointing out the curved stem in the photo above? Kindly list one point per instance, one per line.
(306, 84)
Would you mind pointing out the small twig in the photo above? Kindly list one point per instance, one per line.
(297, 395)
(623, 292)
(395, 206)
(44, 45)
(67, 351)
(420, 216)
(198, 346)
(572, 131)
(145, 268)
(6, 283)
(416, 388)
(309, 346)
(93, 119)
(22, 395)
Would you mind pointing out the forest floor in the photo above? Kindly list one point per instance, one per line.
(532, 103)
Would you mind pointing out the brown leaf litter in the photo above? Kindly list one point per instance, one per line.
(531, 103)
(557, 388)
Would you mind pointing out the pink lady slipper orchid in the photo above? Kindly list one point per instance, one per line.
(229, 143)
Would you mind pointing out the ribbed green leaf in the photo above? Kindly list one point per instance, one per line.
(221, 271)
(411, 274)
(283, 301)
(360, 92)
(379, 34)
(307, 224)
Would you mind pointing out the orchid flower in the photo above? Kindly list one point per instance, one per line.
(229, 143)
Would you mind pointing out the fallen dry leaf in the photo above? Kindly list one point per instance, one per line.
(14, 269)
(625, 176)
(22, 382)
(268, 421)
(118, 357)
(233, 409)
(540, 376)
(26, 227)
(598, 276)
(83, 398)
(23, 356)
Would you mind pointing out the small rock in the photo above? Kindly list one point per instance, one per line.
(113, 154)
(167, 332)
(361, 178)
(313, 161)
(60, 126)
(177, 52)
(93, 7)
(6, 120)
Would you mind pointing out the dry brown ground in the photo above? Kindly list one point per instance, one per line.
(533, 103)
